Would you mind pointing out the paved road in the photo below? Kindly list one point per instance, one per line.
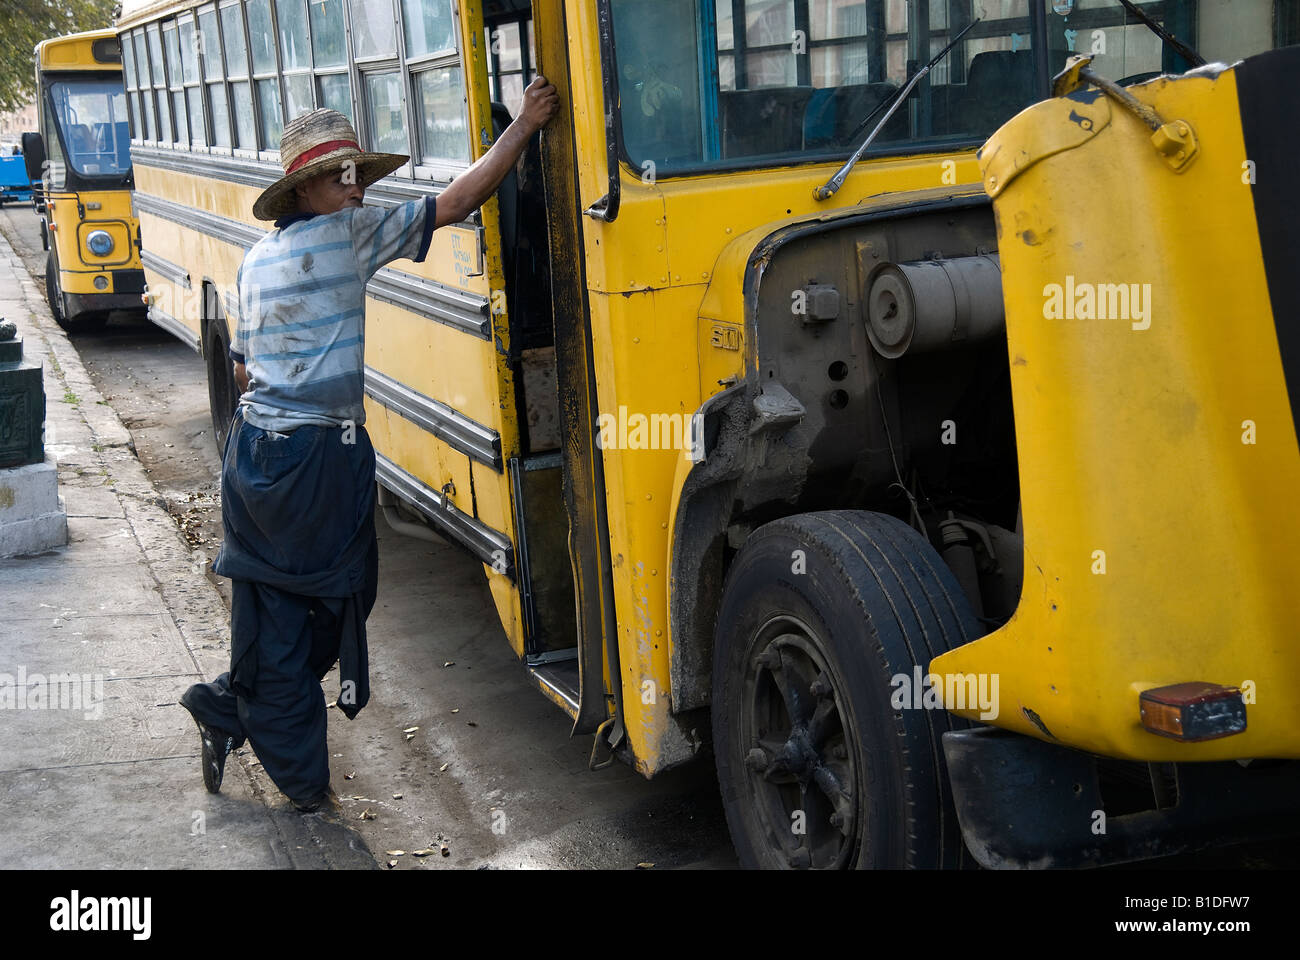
(515, 768)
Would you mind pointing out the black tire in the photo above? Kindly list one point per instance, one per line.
(872, 601)
(223, 395)
(88, 322)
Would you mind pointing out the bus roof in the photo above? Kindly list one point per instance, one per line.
(79, 51)
(138, 11)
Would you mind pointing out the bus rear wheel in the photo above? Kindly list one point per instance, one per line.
(820, 614)
(223, 394)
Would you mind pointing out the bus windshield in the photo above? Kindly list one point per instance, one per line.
(91, 118)
(717, 83)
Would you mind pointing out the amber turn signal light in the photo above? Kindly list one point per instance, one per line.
(1193, 711)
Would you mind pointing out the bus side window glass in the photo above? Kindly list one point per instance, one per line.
(241, 96)
(175, 79)
(295, 57)
(150, 125)
(659, 81)
(266, 85)
(212, 72)
(129, 81)
(192, 78)
(330, 56)
(160, 84)
(428, 26)
(384, 111)
(373, 28)
(440, 99)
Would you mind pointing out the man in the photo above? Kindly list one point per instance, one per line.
(298, 474)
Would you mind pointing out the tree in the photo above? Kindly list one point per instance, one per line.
(25, 23)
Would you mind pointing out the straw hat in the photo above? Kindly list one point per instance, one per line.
(316, 143)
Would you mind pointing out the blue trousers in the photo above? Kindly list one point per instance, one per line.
(300, 548)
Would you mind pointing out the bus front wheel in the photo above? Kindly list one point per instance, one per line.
(821, 615)
(82, 322)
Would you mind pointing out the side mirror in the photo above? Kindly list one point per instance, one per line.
(34, 156)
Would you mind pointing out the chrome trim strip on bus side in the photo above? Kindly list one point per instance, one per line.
(489, 545)
(466, 312)
(262, 173)
(168, 270)
(177, 329)
(214, 225)
(448, 424)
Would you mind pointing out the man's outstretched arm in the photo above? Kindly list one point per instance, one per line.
(468, 191)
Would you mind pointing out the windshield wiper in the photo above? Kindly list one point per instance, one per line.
(829, 188)
(1188, 54)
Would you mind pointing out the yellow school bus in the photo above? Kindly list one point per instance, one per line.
(82, 158)
(718, 386)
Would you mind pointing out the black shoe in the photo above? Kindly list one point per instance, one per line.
(217, 745)
(319, 804)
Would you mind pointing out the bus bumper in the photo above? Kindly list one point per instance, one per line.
(1026, 804)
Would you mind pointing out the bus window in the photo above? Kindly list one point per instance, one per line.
(440, 99)
(175, 80)
(132, 85)
(429, 27)
(707, 83)
(90, 116)
(510, 62)
(150, 125)
(193, 85)
(330, 56)
(384, 112)
(212, 72)
(161, 97)
(295, 59)
(241, 96)
(266, 84)
(1125, 50)
(374, 31)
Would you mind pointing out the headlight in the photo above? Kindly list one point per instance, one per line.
(100, 243)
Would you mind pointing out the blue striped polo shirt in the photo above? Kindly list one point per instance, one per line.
(302, 291)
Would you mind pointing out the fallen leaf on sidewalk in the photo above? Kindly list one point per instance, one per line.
(350, 776)
(455, 709)
(426, 852)
(397, 796)
(391, 864)
(395, 853)
(444, 767)
(366, 814)
(410, 730)
(644, 865)
(446, 851)
(410, 736)
(450, 663)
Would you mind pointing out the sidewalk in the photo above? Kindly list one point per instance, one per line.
(115, 783)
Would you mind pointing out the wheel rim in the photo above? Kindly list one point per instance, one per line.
(797, 754)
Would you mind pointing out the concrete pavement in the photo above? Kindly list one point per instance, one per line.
(99, 764)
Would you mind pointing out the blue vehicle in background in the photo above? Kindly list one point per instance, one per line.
(14, 184)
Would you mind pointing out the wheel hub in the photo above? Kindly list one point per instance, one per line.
(800, 765)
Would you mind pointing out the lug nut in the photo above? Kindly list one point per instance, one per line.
(821, 687)
(770, 659)
(757, 759)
